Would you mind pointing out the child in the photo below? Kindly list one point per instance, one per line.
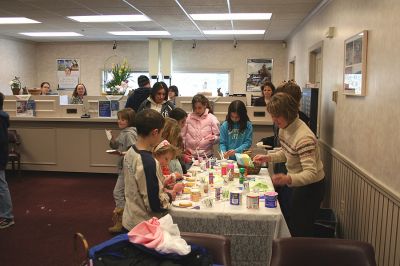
(164, 153)
(126, 138)
(201, 130)
(145, 193)
(6, 216)
(172, 134)
(236, 131)
(179, 115)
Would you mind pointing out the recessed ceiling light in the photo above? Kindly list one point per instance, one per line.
(139, 33)
(17, 20)
(233, 32)
(51, 34)
(110, 18)
(232, 16)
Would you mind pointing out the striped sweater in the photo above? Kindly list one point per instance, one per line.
(300, 151)
(144, 193)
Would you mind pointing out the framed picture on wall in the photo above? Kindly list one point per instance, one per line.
(259, 71)
(68, 71)
(355, 64)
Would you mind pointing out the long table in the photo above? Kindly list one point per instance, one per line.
(251, 231)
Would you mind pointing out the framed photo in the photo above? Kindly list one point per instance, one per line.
(259, 71)
(355, 64)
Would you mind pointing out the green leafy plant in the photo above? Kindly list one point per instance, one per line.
(15, 82)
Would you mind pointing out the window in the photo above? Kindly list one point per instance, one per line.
(190, 83)
(132, 81)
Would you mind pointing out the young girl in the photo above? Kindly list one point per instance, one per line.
(236, 131)
(201, 130)
(164, 152)
(172, 133)
(126, 138)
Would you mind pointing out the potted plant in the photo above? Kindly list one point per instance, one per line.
(121, 74)
(15, 85)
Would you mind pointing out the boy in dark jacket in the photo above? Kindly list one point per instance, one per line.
(6, 217)
(140, 94)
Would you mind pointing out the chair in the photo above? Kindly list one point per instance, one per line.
(13, 153)
(218, 246)
(321, 251)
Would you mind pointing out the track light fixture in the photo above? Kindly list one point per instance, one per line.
(194, 44)
(115, 45)
(235, 43)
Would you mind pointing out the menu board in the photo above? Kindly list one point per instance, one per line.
(104, 108)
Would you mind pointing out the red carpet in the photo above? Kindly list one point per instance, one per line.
(49, 208)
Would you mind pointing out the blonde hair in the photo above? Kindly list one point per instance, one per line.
(169, 148)
(172, 132)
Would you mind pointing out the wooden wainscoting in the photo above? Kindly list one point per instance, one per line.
(366, 210)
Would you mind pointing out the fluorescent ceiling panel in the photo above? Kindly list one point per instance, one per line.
(51, 34)
(233, 32)
(17, 20)
(110, 18)
(139, 33)
(232, 16)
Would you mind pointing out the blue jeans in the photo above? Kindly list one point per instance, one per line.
(119, 191)
(5, 198)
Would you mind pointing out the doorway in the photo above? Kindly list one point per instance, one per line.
(315, 76)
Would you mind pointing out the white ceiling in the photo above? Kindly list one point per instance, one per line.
(165, 15)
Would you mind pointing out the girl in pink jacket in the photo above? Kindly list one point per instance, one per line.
(201, 130)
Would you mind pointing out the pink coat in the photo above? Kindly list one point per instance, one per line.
(200, 132)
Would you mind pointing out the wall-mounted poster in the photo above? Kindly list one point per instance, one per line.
(259, 71)
(67, 73)
(114, 108)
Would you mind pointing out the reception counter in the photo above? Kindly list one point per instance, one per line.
(58, 139)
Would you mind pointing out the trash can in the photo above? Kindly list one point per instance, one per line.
(326, 223)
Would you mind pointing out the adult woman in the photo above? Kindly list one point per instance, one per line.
(157, 101)
(267, 91)
(45, 88)
(300, 151)
(79, 92)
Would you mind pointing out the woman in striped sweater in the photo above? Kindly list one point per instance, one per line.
(300, 152)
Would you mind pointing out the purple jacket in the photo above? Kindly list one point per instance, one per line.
(200, 132)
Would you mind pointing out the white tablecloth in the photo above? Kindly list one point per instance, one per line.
(251, 231)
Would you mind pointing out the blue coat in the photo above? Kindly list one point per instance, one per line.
(235, 140)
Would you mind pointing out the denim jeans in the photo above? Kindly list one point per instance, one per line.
(119, 191)
(5, 198)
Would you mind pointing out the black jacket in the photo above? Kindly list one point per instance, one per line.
(137, 97)
(4, 124)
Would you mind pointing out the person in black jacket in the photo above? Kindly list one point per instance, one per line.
(140, 94)
(6, 216)
(158, 100)
(267, 90)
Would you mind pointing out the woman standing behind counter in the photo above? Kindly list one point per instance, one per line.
(79, 92)
(267, 91)
(300, 151)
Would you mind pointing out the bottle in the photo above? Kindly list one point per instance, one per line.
(231, 173)
(241, 178)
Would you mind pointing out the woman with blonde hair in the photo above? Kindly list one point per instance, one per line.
(172, 133)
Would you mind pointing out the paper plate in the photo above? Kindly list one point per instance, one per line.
(177, 203)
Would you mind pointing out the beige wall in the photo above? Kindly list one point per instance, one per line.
(208, 55)
(363, 129)
(17, 59)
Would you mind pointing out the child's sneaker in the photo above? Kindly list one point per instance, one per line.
(4, 223)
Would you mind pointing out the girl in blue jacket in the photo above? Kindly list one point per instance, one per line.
(237, 131)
